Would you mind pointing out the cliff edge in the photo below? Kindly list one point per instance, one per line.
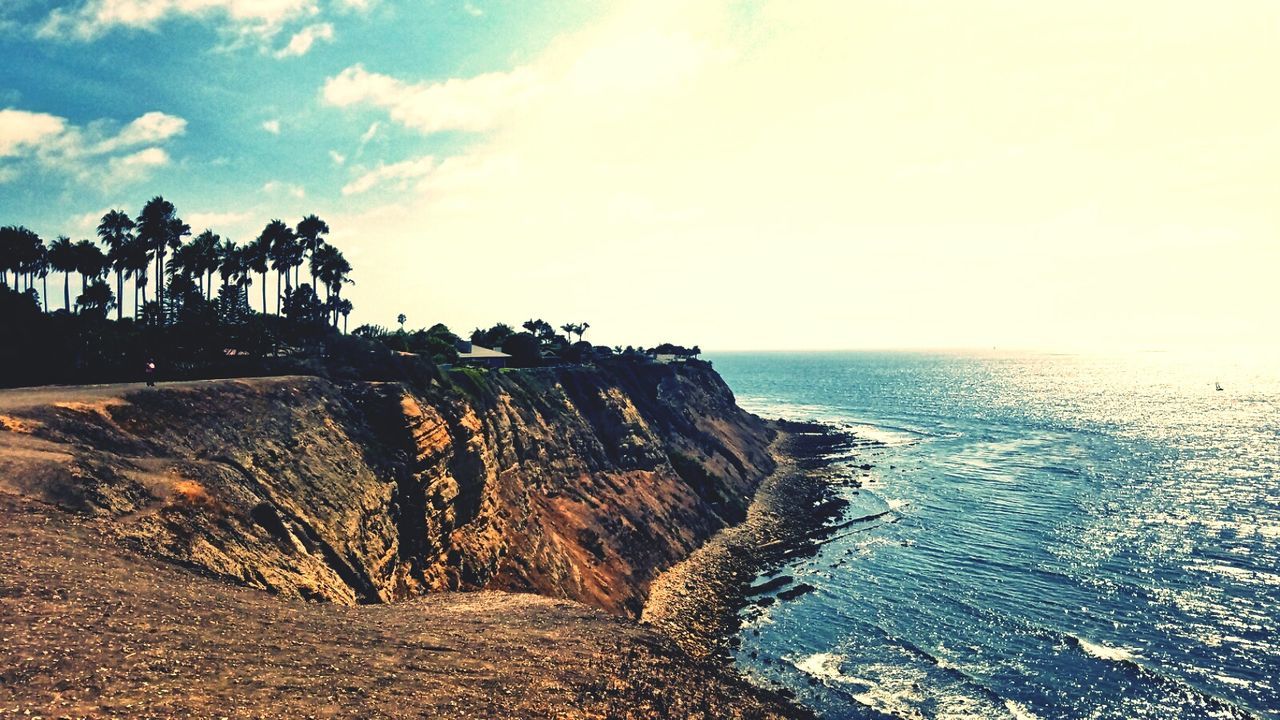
(577, 482)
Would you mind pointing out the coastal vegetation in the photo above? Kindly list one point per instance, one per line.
(148, 289)
(190, 309)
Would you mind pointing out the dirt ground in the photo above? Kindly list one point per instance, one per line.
(90, 629)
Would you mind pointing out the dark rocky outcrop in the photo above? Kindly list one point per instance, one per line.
(577, 482)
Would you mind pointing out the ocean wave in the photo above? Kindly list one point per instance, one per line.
(1135, 663)
(901, 691)
(1103, 652)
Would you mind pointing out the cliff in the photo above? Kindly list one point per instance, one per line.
(578, 482)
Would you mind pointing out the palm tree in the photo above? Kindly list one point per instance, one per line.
(254, 257)
(185, 264)
(229, 262)
(41, 271)
(206, 260)
(284, 251)
(161, 229)
(20, 251)
(344, 307)
(137, 262)
(8, 254)
(62, 257)
(91, 262)
(96, 297)
(322, 262)
(334, 271)
(116, 231)
(310, 229)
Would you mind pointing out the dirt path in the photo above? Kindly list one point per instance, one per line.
(19, 398)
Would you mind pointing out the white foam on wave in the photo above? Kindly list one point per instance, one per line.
(800, 412)
(904, 691)
(1105, 652)
(825, 666)
(1019, 711)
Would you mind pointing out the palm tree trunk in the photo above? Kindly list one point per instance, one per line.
(119, 296)
(44, 281)
(66, 290)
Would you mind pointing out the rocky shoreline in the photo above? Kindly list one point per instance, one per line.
(697, 602)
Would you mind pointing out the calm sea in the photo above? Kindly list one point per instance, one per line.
(1067, 537)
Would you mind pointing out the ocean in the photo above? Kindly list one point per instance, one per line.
(1041, 536)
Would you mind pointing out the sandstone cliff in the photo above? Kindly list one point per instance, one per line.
(579, 482)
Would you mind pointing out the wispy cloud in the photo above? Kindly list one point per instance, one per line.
(400, 173)
(94, 18)
(276, 187)
(216, 220)
(272, 126)
(471, 104)
(300, 44)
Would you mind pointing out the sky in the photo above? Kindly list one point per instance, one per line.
(738, 174)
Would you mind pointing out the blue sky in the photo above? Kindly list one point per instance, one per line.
(735, 174)
(252, 112)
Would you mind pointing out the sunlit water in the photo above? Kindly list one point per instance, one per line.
(1070, 537)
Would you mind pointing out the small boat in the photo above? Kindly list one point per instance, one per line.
(1217, 385)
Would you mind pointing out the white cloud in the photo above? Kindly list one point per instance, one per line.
(472, 10)
(301, 42)
(153, 127)
(361, 5)
(276, 187)
(472, 104)
(337, 157)
(87, 222)
(215, 220)
(401, 172)
(93, 18)
(20, 129)
(90, 154)
(129, 168)
(370, 133)
(272, 126)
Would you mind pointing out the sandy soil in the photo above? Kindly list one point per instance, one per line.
(88, 629)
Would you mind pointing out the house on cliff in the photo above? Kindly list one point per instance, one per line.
(666, 353)
(472, 355)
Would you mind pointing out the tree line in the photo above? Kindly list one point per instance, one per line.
(152, 248)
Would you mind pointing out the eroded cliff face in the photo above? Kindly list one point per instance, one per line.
(578, 482)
